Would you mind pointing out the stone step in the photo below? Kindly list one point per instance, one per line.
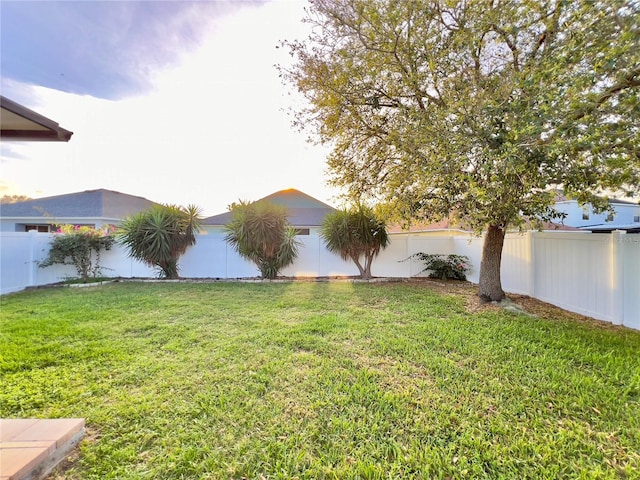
(30, 448)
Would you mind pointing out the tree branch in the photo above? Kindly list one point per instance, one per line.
(630, 80)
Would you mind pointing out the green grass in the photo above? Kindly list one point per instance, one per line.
(319, 380)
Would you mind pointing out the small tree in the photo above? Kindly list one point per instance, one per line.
(260, 232)
(355, 233)
(79, 246)
(159, 235)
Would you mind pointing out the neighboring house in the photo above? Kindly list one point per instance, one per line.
(305, 212)
(447, 227)
(91, 208)
(444, 227)
(626, 216)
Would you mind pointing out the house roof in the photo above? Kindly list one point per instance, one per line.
(562, 198)
(608, 228)
(304, 210)
(448, 224)
(88, 204)
(414, 227)
(21, 124)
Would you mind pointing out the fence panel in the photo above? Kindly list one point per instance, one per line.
(516, 267)
(574, 271)
(17, 261)
(593, 274)
(394, 261)
(117, 263)
(630, 261)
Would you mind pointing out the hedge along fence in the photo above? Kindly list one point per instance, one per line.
(597, 275)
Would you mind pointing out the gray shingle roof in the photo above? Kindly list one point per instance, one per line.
(304, 210)
(88, 204)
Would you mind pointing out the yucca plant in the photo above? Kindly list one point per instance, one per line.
(260, 232)
(355, 233)
(160, 235)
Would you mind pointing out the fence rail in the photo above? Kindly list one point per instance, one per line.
(597, 275)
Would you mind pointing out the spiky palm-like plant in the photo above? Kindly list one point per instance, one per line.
(355, 233)
(260, 232)
(160, 235)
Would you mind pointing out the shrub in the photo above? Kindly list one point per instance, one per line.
(79, 246)
(260, 232)
(444, 267)
(355, 233)
(160, 235)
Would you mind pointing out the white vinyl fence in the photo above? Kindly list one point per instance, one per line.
(597, 275)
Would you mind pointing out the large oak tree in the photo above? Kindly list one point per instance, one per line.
(478, 109)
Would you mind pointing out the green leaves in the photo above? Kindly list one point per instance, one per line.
(79, 246)
(423, 99)
(355, 233)
(260, 232)
(472, 109)
(159, 236)
(444, 267)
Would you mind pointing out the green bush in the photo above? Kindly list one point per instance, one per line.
(260, 232)
(356, 233)
(454, 267)
(160, 235)
(79, 246)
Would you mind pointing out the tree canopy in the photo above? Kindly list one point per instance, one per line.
(14, 198)
(474, 109)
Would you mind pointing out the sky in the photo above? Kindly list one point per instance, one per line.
(175, 101)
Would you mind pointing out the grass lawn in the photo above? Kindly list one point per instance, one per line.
(320, 380)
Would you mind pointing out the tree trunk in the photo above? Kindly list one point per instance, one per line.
(170, 269)
(490, 284)
(361, 269)
(368, 260)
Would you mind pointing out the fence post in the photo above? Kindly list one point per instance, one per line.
(531, 257)
(32, 257)
(408, 249)
(617, 278)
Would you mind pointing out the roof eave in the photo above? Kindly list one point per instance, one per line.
(58, 135)
(52, 131)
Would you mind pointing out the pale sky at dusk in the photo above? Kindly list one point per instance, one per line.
(178, 102)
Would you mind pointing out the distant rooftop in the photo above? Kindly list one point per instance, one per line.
(561, 197)
(608, 228)
(304, 210)
(99, 203)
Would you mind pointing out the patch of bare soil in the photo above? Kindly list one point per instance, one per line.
(60, 471)
(522, 303)
(466, 290)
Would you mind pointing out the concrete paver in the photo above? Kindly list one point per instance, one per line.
(30, 448)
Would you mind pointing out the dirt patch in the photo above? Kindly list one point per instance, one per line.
(60, 471)
(521, 303)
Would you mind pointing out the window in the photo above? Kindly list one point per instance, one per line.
(610, 217)
(585, 214)
(636, 219)
(37, 228)
(302, 231)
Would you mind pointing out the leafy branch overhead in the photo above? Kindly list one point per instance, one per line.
(479, 110)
